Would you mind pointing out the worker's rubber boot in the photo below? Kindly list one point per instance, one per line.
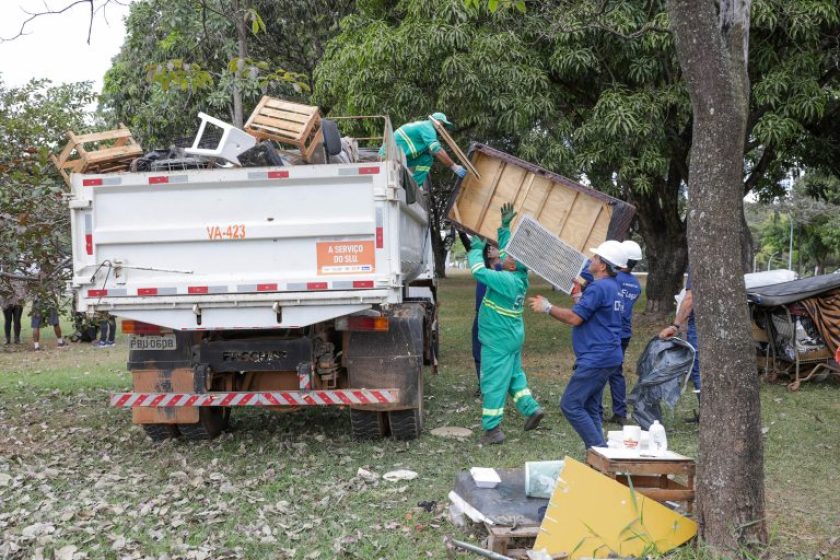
(534, 420)
(493, 437)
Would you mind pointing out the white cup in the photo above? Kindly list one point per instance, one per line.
(632, 436)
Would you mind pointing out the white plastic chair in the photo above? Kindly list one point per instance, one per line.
(234, 141)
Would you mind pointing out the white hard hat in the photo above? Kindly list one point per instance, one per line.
(612, 252)
(634, 252)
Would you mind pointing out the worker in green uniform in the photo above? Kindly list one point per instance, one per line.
(502, 333)
(419, 142)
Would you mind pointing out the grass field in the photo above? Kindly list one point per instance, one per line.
(77, 480)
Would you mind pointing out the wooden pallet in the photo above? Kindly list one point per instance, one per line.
(99, 152)
(287, 123)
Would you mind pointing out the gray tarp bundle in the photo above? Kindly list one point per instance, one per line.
(661, 369)
(789, 292)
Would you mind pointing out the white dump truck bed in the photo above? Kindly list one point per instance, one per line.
(246, 248)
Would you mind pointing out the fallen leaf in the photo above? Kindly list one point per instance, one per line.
(66, 552)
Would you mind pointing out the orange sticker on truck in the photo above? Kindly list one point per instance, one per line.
(346, 257)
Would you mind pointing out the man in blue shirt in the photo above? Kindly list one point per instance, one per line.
(629, 289)
(596, 322)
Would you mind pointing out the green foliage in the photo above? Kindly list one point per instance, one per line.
(34, 220)
(814, 207)
(182, 56)
(592, 90)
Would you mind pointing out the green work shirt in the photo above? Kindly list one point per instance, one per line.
(419, 142)
(500, 322)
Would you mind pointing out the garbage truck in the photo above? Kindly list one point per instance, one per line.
(276, 287)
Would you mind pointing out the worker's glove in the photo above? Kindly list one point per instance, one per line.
(507, 214)
(546, 305)
(540, 304)
(458, 170)
(477, 243)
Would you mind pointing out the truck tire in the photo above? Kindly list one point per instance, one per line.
(406, 424)
(368, 424)
(161, 432)
(211, 422)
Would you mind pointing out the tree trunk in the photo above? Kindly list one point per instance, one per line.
(242, 51)
(438, 248)
(663, 231)
(712, 48)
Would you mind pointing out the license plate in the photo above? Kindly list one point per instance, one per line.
(163, 342)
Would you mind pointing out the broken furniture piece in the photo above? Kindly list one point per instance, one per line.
(546, 254)
(580, 216)
(288, 123)
(651, 476)
(108, 151)
(465, 161)
(232, 143)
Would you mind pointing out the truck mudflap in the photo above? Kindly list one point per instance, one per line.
(357, 398)
(390, 359)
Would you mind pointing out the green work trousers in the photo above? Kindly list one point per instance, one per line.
(420, 167)
(502, 375)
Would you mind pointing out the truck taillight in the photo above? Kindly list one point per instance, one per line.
(138, 327)
(362, 323)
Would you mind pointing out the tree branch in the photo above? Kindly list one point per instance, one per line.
(758, 169)
(48, 12)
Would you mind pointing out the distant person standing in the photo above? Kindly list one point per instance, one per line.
(107, 331)
(12, 303)
(629, 290)
(45, 313)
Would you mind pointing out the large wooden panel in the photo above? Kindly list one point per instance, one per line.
(581, 216)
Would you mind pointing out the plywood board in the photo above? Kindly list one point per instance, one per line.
(593, 516)
(582, 217)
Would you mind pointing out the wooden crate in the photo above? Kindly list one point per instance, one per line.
(289, 123)
(100, 152)
(579, 215)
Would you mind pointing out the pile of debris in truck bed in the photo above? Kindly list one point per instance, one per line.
(278, 133)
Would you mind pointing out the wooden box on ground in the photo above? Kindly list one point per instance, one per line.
(579, 215)
(650, 476)
(289, 123)
(100, 152)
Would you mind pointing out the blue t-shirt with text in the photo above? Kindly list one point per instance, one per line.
(597, 341)
(629, 290)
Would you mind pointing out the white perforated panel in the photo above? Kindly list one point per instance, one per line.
(545, 253)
